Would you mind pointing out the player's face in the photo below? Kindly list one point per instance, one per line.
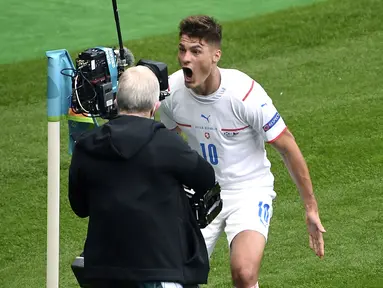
(197, 59)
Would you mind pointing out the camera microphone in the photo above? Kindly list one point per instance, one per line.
(127, 58)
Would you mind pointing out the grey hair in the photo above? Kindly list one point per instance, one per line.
(138, 90)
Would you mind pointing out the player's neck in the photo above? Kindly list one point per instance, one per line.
(211, 83)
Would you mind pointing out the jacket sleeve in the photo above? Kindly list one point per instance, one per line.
(76, 190)
(191, 169)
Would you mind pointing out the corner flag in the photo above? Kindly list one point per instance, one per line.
(59, 91)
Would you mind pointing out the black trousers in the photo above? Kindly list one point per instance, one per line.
(125, 284)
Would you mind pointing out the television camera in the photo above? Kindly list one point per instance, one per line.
(95, 79)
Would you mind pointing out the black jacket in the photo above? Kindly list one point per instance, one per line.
(127, 176)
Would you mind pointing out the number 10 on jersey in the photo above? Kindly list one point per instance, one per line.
(209, 152)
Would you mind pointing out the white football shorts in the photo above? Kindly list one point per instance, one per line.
(242, 210)
(170, 285)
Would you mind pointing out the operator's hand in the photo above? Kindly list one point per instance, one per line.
(315, 230)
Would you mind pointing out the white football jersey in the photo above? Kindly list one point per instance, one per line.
(228, 128)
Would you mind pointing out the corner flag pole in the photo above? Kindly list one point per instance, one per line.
(53, 213)
(58, 101)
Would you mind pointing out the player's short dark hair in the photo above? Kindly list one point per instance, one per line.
(203, 27)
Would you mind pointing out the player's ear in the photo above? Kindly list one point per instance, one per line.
(155, 108)
(217, 55)
(157, 105)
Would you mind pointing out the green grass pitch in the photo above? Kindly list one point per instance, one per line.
(322, 65)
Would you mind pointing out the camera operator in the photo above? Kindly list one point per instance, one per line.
(127, 176)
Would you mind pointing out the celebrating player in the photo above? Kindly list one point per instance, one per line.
(227, 117)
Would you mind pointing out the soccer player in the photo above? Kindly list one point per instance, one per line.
(228, 117)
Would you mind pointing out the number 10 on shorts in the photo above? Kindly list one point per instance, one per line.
(264, 212)
(209, 152)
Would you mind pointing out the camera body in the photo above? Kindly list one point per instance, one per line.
(93, 90)
(95, 81)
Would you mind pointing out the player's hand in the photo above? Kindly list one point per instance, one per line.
(316, 231)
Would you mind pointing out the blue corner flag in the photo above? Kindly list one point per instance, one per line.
(59, 92)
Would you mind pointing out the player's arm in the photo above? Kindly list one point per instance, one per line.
(286, 145)
(291, 154)
(260, 113)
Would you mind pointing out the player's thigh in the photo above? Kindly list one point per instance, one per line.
(252, 211)
(246, 253)
(247, 228)
(212, 232)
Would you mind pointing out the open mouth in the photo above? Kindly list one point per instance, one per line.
(188, 73)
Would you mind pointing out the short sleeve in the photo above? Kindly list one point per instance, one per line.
(166, 113)
(259, 112)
